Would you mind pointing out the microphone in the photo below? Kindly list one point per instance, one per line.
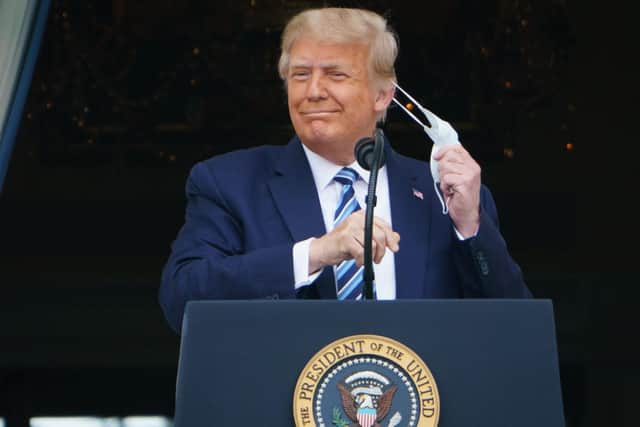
(364, 153)
(370, 156)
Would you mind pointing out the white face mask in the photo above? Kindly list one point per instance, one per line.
(440, 132)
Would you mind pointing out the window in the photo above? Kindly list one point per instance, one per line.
(133, 421)
(14, 30)
(21, 26)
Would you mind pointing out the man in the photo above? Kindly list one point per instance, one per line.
(287, 221)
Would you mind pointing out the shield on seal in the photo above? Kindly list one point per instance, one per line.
(366, 416)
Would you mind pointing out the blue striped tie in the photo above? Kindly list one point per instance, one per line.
(348, 275)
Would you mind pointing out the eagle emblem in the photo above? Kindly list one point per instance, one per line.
(366, 398)
(366, 381)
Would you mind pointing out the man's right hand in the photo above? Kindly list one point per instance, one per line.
(346, 241)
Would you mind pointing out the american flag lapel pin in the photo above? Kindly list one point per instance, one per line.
(417, 194)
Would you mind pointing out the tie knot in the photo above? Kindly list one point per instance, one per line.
(346, 176)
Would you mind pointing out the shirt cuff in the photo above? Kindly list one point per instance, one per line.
(460, 236)
(301, 264)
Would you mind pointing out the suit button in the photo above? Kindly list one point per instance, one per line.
(482, 263)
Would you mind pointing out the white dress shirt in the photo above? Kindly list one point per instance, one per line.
(323, 172)
(329, 190)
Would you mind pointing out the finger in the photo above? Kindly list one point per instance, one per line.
(391, 238)
(356, 251)
(378, 245)
(448, 190)
(356, 232)
(382, 236)
(381, 222)
(440, 152)
(447, 150)
(379, 242)
(454, 159)
(359, 256)
(376, 253)
(359, 243)
(452, 183)
(453, 169)
(461, 162)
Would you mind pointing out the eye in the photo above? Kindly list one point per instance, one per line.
(299, 74)
(337, 75)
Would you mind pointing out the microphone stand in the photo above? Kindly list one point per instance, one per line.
(368, 274)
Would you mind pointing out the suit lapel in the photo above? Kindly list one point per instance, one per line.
(294, 193)
(410, 215)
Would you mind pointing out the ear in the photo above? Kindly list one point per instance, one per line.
(384, 96)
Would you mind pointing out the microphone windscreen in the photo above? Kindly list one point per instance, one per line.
(364, 153)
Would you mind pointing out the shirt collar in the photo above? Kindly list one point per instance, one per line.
(324, 170)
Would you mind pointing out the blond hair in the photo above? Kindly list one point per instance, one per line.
(344, 25)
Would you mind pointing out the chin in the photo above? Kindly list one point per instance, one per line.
(331, 150)
(319, 135)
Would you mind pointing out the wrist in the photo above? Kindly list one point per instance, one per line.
(468, 228)
(316, 259)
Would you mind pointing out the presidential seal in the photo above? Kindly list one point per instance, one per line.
(366, 381)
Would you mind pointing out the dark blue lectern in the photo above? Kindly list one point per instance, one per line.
(494, 361)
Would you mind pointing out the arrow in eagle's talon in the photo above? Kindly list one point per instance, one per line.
(395, 420)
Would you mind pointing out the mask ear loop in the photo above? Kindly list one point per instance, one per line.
(434, 130)
(445, 204)
(433, 166)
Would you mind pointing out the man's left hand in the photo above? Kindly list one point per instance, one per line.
(460, 185)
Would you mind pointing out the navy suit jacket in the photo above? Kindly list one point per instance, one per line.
(246, 209)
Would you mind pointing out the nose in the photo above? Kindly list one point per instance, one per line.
(316, 89)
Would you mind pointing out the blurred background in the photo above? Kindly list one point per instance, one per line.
(127, 95)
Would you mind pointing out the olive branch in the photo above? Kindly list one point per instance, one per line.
(337, 419)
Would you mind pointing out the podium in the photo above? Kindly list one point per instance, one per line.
(494, 362)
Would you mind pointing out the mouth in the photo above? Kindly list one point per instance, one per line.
(319, 113)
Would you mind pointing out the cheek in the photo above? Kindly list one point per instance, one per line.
(359, 99)
(291, 104)
(294, 94)
(359, 110)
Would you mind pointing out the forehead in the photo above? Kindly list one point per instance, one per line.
(310, 52)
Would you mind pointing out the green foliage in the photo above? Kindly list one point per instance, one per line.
(337, 419)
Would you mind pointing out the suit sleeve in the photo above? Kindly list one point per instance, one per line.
(484, 265)
(208, 259)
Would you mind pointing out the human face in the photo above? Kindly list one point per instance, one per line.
(332, 102)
